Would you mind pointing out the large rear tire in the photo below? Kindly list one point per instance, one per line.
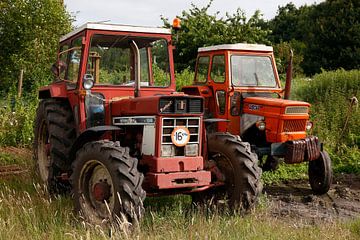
(239, 166)
(54, 132)
(320, 174)
(106, 183)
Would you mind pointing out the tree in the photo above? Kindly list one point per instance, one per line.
(333, 36)
(199, 29)
(329, 31)
(29, 33)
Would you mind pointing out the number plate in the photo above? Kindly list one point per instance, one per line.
(180, 136)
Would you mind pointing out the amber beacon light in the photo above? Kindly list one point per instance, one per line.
(176, 23)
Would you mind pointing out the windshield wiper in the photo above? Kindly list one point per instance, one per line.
(257, 79)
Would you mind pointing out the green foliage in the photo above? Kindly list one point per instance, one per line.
(282, 56)
(336, 123)
(333, 36)
(285, 172)
(16, 121)
(29, 33)
(330, 32)
(184, 78)
(198, 29)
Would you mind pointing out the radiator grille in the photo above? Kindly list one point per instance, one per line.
(168, 125)
(294, 125)
(293, 110)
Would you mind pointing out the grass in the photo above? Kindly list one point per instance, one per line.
(27, 212)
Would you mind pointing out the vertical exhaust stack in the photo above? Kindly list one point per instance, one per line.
(289, 76)
(136, 52)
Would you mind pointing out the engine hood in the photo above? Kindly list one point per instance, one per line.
(263, 106)
(157, 105)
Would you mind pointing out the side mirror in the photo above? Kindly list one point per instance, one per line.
(58, 68)
(88, 81)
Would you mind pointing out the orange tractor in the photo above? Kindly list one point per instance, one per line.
(243, 95)
(112, 128)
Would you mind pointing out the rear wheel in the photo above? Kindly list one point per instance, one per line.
(239, 169)
(54, 132)
(107, 183)
(320, 173)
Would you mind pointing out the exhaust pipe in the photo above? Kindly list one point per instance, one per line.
(136, 52)
(289, 76)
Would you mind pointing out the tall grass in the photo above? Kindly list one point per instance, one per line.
(336, 123)
(27, 212)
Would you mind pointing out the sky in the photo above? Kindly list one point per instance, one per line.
(148, 12)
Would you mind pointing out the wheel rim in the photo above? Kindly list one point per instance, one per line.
(97, 189)
(43, 150)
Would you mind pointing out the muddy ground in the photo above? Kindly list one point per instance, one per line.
(295, 200)
(286, 200)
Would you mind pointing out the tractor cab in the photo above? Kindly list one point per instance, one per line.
(240, 84)
(243, 96)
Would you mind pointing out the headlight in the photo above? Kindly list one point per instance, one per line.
(167, 150)
(309, 125)
(261, 125)
(191, 150)
(88, 81)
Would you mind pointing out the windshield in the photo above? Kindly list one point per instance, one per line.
(252, 71)
(111, 61)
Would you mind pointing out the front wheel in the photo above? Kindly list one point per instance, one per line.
(320, 173)
(107, 183)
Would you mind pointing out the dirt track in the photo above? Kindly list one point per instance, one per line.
(295, 200)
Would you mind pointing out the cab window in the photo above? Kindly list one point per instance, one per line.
(202, 69)
(218, 69)
(111, 61)
(221, 101)
(74, 60)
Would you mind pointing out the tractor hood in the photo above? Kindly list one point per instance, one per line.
(158, 105)
(269, 107)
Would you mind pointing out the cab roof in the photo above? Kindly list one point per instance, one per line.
(238, 46)
(116, 27)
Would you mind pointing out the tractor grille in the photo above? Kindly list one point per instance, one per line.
(168, 126)
(294, 125)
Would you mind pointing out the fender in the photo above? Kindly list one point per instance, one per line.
(56, 89)
(89, 135)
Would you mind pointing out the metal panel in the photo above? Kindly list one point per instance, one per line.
(248, 120)
(136, 120)
(148, 140)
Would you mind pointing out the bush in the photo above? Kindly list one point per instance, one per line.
(336, 123)
(184, 78)
(16, 121)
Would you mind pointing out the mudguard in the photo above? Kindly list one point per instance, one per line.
(89, 135)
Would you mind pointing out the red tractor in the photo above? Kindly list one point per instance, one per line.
(112, 128)
(241, 86)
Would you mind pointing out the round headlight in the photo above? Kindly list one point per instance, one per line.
(88, 81)
(309, 125)
(261, 125)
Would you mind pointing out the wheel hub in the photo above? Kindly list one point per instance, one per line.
(101, 191)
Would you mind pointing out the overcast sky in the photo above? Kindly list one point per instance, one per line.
(147, 12)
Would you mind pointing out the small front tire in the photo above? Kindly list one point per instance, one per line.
(320, 174)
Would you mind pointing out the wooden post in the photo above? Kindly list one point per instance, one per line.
(20, 83)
